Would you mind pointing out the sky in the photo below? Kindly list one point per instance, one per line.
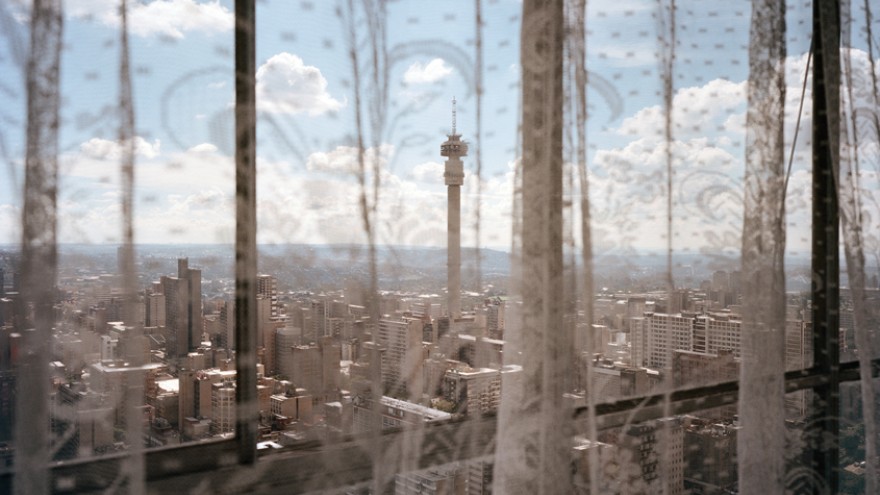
(182, 60)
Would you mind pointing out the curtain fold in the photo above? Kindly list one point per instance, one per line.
(535, 424)
(555, 325)
(761, 439)
(35, 314)
(859, 137)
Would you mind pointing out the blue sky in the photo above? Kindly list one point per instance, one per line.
(182, 59)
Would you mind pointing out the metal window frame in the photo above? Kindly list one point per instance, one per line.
(824, 430)
(301, 468)
(246, 401)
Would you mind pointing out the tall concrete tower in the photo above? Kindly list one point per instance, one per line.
(453, 149)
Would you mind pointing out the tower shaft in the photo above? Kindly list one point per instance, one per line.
(453, 251)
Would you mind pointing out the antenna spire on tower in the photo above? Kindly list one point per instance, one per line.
(453, 115)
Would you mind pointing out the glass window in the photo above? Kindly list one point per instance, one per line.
(465, 246)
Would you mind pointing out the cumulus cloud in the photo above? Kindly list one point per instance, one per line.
(104, 149)
(696, 111)
(433, 71)
(628, 189)
(203, 148)
(344, 159)
(285, 84)
(430, 172)
(96, 164)
(189, 197)
(172, 18)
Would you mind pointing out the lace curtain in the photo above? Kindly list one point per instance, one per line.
(619, 153)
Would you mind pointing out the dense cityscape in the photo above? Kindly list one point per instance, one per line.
(318, 356)
(327, 370)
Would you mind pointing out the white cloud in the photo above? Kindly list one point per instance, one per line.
(696, 111)
(203, 148)
(10, 220)
(430, 172)
(20, 10)
(103, 149)
(286, 85)
(189, 197)
(173, 18)
(344, 159)
(433, 71)
(628, 190)
(96, 164)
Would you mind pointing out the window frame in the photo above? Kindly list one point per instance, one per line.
(299, 468)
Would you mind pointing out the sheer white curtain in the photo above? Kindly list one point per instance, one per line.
(655, 147)
(761, 441)
(856, 172)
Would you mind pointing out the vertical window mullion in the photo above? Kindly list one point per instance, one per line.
(826, 239)
(247, 412)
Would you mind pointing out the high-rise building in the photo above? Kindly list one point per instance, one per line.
(223, 407)
(183, 309)
(334, 327)
(473, 391)
(636, 306)
(313, 367)
(495, 319)
(582, 450)
(393, 413)
(798, 355)
(613, 380)
(638, 335)
(331, 354)
(285, 339)
(723, 333)
(680, 301)
(194, 395)
(453, 149)
(267, 325)
(320, 311)
(697, 368)
(154, 308)
(656, 336)
(304, 368)
(448, 479)
(227, 324)
(479, 474)
(402, 369)
(267, 287)
(721, 280)
(710, 456)
(665, 334)
(656, 450)
(196, 399)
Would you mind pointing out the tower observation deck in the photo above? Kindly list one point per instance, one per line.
(453, 149)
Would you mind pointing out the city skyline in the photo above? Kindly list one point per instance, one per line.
(318, 362)
(184, 164)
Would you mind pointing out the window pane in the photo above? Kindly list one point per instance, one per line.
(615, 227)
